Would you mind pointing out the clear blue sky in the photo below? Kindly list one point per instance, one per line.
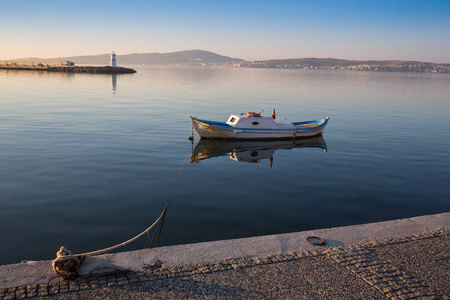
(252, 30)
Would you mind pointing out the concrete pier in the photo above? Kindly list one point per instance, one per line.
(399, 259)
(73, 69)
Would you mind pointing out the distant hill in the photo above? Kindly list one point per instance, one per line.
(329, 62)
(202, 58)
(188, 57)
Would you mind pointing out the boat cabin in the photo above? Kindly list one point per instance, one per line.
(257, 121)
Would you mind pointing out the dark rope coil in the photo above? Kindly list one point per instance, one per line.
(66, 264)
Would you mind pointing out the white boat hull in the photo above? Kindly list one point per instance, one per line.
(218, 130)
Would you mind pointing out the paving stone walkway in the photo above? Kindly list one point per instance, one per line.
(411, 267)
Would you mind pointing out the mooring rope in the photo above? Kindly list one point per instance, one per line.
(67, 264)
(191, 137)
(101, 251)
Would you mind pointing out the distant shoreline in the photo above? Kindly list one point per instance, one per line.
(211, 59)
(74, 69)
(307, 64)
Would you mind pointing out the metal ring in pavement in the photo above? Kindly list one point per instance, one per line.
(322, 241)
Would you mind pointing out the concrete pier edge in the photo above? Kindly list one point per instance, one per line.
(166, 262)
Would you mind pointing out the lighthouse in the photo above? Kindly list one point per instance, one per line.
(113, 60)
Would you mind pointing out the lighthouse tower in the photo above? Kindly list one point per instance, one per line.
(113, 60)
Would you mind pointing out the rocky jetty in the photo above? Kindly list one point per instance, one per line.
(92, 70)
(76, 69)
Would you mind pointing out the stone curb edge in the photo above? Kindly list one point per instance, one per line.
(152, 273)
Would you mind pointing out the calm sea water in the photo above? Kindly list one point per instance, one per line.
(89, 161)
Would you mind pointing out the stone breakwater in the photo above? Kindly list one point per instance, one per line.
(92, 70)
(77, 69)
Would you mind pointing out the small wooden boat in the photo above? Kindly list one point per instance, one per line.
(253, 125)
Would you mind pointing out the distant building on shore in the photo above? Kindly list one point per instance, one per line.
(113, 60)
(36, 64)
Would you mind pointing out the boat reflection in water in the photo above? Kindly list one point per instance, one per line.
(250, 151)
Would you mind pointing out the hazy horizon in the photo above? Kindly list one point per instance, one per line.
(273, 58)
(249, 30)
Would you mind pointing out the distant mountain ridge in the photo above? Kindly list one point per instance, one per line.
(206, 58)
(194, 57)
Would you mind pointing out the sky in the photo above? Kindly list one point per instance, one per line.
(250, 30)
